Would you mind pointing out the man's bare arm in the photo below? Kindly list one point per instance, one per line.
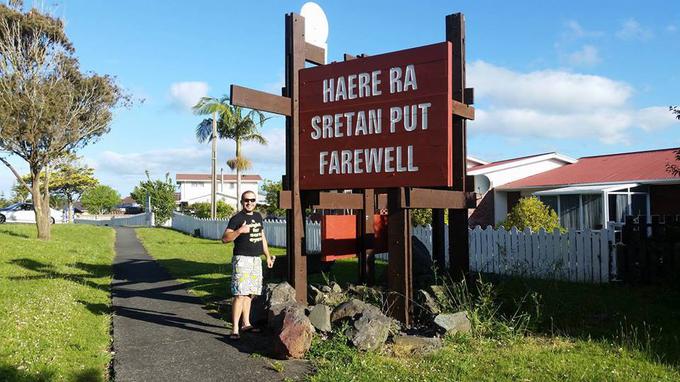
(230, 235)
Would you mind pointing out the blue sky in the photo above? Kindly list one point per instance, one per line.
(578, 77)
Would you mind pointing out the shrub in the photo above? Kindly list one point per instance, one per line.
(100, 199)
(162, 193)
(202, 210)
(423, 216)
(532, 213)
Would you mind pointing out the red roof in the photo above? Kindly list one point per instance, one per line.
(206, 177)
(613, 168)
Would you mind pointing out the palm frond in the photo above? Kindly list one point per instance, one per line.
(204, 130)
(240, 163)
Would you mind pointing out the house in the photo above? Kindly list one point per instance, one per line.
(595, 190)
(492, 205)
(195, 188)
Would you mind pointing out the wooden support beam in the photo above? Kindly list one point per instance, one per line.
(295, 243)
(315, 54)
(257, 100)
(459, 261)
(469, 96)
(429, 198)
(336, 200)
(399, 266)
(366, 237)
(381, 202)
(462, 110)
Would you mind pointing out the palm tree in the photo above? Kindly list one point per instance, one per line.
(229, 122)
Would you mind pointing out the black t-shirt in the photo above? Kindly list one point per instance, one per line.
(247, 244)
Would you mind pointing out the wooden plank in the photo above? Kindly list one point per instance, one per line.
(336, 200)
(429, 198)
(522, 252)
(462, 110)
(580, 256)
(258, 100)
(471, 249)
(285, 199)
(315, 54)
(605, 255)
(366, 253)
(573, 258)
(514, 248)
(587, 255)
(543, 254)
(381, 202)
(469, 96)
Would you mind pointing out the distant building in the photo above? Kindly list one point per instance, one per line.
(195, 188)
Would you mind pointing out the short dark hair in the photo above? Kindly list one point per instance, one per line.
(246, 192)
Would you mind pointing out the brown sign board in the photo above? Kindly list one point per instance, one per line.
(377, 122)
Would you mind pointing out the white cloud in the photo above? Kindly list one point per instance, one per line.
(575, 30)
(557, 104)
(632, 30)
(587, 56)
(655, 118)
(184, 95)
(671, 28)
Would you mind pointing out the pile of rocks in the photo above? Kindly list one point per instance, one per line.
(295, 324)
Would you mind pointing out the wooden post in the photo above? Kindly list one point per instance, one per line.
(365, 237)
(399, 266)
(295, 60)
(438, 250)
(458, 218)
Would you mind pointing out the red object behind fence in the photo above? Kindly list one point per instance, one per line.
(338, 236)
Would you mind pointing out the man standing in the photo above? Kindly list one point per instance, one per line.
(246, 231)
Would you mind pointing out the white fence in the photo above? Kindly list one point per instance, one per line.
(580, 256)
(143, 219)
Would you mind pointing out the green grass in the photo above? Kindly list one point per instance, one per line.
(580, 332)
(55, 303)
(204, 266)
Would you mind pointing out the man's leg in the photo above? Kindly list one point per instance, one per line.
(236, 311)
(246, 310)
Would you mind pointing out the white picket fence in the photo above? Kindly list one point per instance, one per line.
(580, 256)
(139, 220)
(274, 230)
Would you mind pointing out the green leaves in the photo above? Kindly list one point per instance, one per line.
(162, 195)
(100, 199)
(532, 213)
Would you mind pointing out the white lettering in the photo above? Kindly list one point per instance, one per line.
(364, 88)
(322, 161)
(409, 159)
(375, 82)
(334, 166)
(348, 117)
(327, 126)
(395, 80)
(375, 121)
(316, 134)
(423, 112)
(346, 162)
(400, 168)
(388, 159)
(411, 123)
(395, 116)
(328, 90)
(337, 125)
(341, 90)
(410, 78)
(351, 86)
(358, 160)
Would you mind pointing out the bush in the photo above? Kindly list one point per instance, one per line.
(423, 216)
(532, 213)
(100, 199)
(162, 193)
(202, 210)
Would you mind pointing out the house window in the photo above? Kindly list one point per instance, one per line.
(592, 211)
(570, 211)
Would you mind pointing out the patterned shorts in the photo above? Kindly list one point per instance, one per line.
(246, 275)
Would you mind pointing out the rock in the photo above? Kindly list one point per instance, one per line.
(320, 317)
(453, 323)
(335, 287)
(295, 337)
(351, 309)
(427, 304)
(409, 345)
(314, 295)
(440, 294)
(364, 293)
(326, 289)
(370, 331)
(274, 316)
(280, 294)
(423, 273)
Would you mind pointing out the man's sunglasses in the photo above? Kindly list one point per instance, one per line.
(248, 200)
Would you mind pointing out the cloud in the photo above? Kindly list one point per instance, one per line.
(632, 30)
(184, 95)
(553, 104)
(671, 28)
(575, 30)
(587, 56)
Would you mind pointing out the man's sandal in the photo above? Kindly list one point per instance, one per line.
(251, 329)
(234, 336)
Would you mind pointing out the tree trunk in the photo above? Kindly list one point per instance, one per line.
(238, 172)
(41, 207)
(69, 208)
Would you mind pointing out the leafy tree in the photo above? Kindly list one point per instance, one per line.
(423, 216)
(4, 202)
(48, 107)
(531, 212)
(162, 193)
(271, 196)
(202, 210)
(100, 199)
(68, 181)
(231, 124)
(671, 167)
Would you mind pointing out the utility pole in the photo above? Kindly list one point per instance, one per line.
(213, 201)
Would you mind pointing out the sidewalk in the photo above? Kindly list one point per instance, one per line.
(162, 333)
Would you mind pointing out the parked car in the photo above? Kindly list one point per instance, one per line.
(23, 213)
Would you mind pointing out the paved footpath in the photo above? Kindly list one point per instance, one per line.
(162, 333)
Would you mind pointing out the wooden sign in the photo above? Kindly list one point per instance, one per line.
(377, 122)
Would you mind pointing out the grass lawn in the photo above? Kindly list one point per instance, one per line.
(55, 303)
(579, 332)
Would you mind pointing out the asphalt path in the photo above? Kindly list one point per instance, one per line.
(162, 333)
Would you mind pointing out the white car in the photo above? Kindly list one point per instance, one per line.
(23, 213)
